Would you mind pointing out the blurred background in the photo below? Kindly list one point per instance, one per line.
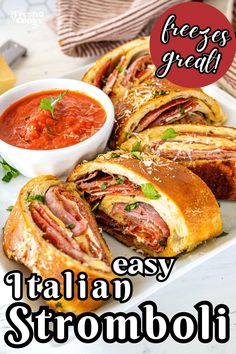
(32, 24)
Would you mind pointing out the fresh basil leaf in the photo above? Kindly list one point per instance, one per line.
(12, 172)
(104, 186)
(136, 146)
(114, 155)
(95, 206)
(169, 133)
(182, 110)
(131, 206)
(7, 177)
(37, 197)
(10, 208)
(223, 234)
(70, 226)
(149, 191)
(163, 92)
(48, 104)
(137, 154)
(119, 68)
(120, 181)
(160, 93)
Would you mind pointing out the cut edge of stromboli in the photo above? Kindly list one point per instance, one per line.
(114, 54)
(192, 218)
(23, 242)
(34, 187)
(209, 152)
(150, 135)
(127, 120)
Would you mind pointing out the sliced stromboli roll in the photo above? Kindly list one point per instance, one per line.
(149, 203)
(122, 68)
(51, 229)
(159, 102)
(210, 152)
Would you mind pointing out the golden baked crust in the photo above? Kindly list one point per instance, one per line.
(152, 95)
(218, 174)
(128, 50)
(23, 242)
(135, 91)
(193, 210)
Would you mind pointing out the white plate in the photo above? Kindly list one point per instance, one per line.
(143, 287)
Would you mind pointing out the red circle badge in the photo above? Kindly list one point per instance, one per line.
(192, 44)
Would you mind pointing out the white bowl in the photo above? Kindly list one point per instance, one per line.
(61, 161)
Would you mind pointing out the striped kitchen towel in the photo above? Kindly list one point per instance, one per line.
(228, 81)
(89, 28)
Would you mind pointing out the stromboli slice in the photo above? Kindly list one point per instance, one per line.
(148, 202)
(121, 68)
(158, 102)
(210, 152)
(52, 229)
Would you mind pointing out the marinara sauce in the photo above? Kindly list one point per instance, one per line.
(75, 118)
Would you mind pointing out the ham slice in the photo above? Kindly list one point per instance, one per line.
(143, 223)
(65, 210)
(143, 214)
(137, 69)
(108, 185)
(169, 113)
(101, 73)
(193, 155)
(54, 233)
(80, 238)
(110, 82)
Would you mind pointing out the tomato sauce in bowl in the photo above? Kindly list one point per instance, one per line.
(52, 119)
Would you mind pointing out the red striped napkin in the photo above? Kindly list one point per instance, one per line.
(88, 28)
(228, 81)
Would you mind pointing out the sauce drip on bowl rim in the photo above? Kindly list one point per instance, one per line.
(73, 118)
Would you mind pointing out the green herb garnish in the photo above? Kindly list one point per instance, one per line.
(120, 181)
(114, 155)
(119, 68)
(169, 133)
(136, 146)
(58, 304)
(70, 226)
(49, 103)
(163, 92)
(132, 206)
(182, 110)
(223, 234)
(137, 154)
(149, 191)
(38, 197)
(160, 93)
(104, 186)
(162, 243)
(10, 208)
(95, 206)
(12, 172)
(49, 130)
(126, 135)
